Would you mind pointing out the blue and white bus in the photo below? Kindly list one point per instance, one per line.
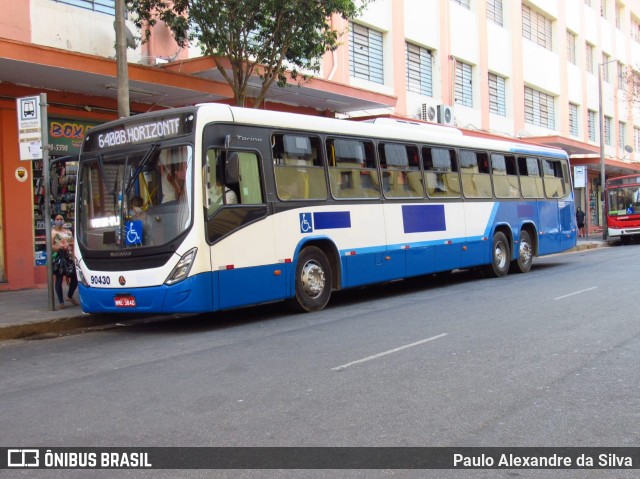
(215, 207)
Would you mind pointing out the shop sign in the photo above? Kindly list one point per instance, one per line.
(29, 128)
(66, 136)
(579, 176)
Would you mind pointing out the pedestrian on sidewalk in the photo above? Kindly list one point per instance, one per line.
(62, 244)
(580, 220)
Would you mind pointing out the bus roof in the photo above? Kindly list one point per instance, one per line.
(391, 130)
(378, 129)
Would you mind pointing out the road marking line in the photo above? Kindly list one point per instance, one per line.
(379, 355)
(577, 292)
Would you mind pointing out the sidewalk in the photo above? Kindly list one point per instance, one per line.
(26, 313)
(592, 241)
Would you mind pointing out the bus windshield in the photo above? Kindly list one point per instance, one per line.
(624, 201)
(135, 200)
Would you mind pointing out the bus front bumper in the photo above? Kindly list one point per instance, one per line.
(193, 295)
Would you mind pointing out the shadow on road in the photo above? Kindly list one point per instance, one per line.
(224, 320)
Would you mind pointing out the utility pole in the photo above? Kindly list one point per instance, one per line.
(121, 60)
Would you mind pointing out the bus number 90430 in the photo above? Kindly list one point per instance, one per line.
(100, 280)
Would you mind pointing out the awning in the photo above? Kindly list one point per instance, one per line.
(572, 147)
(168, 85)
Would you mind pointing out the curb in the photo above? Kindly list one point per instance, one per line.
(586, 246)
(53, 326)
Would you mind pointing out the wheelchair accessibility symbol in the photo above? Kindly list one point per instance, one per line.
(133, 231)
(306, 223)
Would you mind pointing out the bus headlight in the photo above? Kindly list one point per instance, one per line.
(181, 271)
(81, 278)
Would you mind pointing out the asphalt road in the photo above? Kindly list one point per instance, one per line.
(549, 358)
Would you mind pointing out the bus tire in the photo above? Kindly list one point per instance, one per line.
(500, 257)
(313, 280)
(525, 254)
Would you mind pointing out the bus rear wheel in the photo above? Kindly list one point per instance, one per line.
(525, 254)
(313, 280)
(500, 257)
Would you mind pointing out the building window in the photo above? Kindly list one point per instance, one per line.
(622, 140)
(538, 108)
(635, 30)
(636, 140)
(607, 130)
(102, 6)
(603, 8)
(573, 119)
(621, 76)
(605, 66)
(464, 84)
(618, 12)
(591, 124)
(571, 47)
(365, 54)
(536, 27)
(419, 70)
(587, 2)
(464, 3)
(588, 58)
(494, 11)
(497, 101)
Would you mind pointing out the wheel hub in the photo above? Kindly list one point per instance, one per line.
(313, 279)
(525, 252)
(501, 256)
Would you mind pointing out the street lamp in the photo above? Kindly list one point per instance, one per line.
(601, 121)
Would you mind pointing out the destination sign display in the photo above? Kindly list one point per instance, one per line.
(143, 131)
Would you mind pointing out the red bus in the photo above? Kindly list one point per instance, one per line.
(623, 207)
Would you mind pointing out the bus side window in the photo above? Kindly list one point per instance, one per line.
(298, 168)
(530, 180)
(474, 170)
(441, 172)
(553, 179)
(231, 178)
(247, 181)
(400, 165)
(505, 176)
(355, 174)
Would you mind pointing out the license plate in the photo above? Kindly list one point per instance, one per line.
(125, 301)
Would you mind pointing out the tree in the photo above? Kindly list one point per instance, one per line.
(273, 39)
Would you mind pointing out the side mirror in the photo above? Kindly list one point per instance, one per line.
(232, 168)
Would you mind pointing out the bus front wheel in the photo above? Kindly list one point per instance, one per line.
(525, 254)
(500, 257)
(313, 280)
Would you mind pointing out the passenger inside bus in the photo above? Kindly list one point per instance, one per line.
(223, 191)
(173, 168)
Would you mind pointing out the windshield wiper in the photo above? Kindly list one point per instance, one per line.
(141, 165)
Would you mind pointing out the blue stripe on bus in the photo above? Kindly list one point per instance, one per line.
(327, 220)
(492, 219)
(423, 218)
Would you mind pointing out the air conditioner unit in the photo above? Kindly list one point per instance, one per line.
(445, 115)
(428, 113)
